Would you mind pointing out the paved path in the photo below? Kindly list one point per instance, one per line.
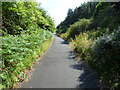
(59, 69)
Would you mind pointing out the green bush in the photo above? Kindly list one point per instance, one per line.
(19, 16)
(105, 58)
(77, 28)
(94, 34)
(82, 45)
(101, 50)
(64, 36)
(96, 41)
(19, 52)
(27, 33)
(106, 16)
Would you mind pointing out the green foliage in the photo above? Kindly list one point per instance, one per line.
(69, 12)
(86, 11)
(105, 58)
(97, 12)
(19, 16)
(27, 33)
(77, 28)
(94, 34)
(106, 16)
(82, 45)
(19, 53)
(102, 53)
(96, 39)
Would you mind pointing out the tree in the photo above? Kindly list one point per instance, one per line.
(85, 10)
(19, 16)
(70, 11)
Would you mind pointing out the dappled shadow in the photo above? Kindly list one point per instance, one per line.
(87, 79)
(64, 42)
(71, 55)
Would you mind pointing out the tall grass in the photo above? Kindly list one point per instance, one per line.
(82, 45)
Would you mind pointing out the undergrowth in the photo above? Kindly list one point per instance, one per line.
(19, 53)
(102, 54)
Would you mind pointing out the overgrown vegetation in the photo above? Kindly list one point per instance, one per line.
(77, 28)
(27, 33)
(82, 45)
(24, 16)
(97, 40)
(105, 58)
(86, 11)
(19, 53)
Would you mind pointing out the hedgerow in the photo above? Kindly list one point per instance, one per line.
(105, 59)
(19, 52)
(23, 16)
(27, 31)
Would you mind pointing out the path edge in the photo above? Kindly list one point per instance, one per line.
(39, 59)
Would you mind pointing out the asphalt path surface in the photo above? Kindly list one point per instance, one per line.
(60, 69)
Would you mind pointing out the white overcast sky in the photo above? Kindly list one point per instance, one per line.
(57, 9)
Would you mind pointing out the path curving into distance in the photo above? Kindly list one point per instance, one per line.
(59, 69)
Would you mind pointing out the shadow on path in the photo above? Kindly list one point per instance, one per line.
(60, 69)
(87, 78)
(71, 55)
(64, 42)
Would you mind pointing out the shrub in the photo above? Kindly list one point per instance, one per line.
(64, 36)
(77, 28)
(94, 34)
(19, 16)
(101, 50)
(82, 45)
(19, 52)
(105, 58)
(101, 17)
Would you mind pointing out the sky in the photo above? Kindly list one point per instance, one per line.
(58, 9)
